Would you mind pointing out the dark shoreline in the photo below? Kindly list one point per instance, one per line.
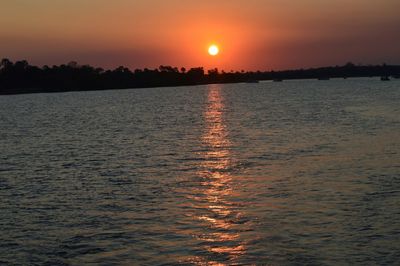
(22, 78)
(152, 87)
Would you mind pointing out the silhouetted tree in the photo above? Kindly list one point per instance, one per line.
(6, 63)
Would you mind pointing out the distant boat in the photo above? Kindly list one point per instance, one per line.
(277, 80)
(252, 81)
(323, 78)
(385, 78)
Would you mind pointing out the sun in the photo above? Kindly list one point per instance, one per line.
(213, 50)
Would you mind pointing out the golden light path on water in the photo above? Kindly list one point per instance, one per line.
(221, 213)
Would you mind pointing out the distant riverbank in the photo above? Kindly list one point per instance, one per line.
(21, 77)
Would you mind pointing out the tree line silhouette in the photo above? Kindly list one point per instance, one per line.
(21, 77)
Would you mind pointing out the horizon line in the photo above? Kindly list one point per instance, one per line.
(77, 64)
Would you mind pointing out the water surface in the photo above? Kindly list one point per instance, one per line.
(298, 172)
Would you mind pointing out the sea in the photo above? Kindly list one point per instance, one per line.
(299, 172)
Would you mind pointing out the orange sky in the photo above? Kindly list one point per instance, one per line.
(252, 34)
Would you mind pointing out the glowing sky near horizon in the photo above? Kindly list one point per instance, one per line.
(251, 34)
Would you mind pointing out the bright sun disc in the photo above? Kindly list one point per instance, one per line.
(213, 50)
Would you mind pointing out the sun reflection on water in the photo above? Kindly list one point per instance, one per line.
(220, 215)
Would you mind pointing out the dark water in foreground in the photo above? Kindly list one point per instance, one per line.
(299, 172)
